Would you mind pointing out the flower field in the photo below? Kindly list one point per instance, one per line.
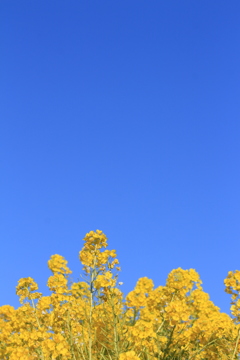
(92, 320)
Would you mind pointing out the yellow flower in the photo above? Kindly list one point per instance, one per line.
(129, 355)
(25, 287)
(93, 319)
(104, 280)
(57, 264)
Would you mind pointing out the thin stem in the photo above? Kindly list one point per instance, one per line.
(38, 322)
(235, 350)
(91, 307)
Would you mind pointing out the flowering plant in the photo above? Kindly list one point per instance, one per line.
(92, 320)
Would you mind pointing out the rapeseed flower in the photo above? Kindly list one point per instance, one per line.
(93, 320)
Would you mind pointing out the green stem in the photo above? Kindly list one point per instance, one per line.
(235, 350)
(38, 322)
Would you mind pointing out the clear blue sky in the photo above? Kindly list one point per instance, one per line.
(122, 116)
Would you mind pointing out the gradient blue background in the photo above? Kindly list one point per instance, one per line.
(122, 116)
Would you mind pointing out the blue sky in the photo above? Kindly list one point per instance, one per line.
(122, 116)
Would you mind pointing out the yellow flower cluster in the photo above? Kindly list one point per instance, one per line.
(92, 320)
